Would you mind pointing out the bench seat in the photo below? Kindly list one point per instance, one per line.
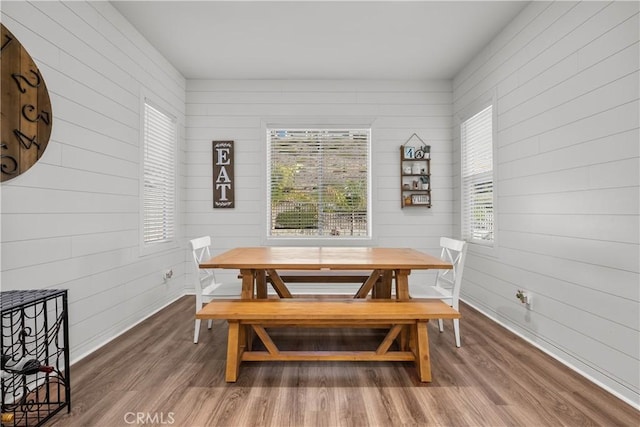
(402, 317)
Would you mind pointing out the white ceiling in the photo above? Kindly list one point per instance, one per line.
(319, 39)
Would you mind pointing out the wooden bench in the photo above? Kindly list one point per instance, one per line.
(246, 317)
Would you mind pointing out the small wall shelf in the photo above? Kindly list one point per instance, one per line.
(415, 176)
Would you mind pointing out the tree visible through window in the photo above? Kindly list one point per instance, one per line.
(477, 177)
(318, 183)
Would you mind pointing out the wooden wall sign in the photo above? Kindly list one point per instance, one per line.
(223, 180)
(25, 108)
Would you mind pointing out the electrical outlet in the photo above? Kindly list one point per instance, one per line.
(168, 274)
(525, 298)
(528, 300)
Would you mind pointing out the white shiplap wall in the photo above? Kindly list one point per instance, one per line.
(72, 220)
(565, 76)
(240, 110)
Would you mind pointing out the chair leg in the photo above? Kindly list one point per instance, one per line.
(456, 331)
(440, 325)
(196, 332)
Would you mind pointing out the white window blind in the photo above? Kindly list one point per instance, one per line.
(318, 183)
(159, 176)
(477, 177)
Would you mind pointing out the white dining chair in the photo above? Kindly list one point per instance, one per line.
(206, 284)
(448, 282)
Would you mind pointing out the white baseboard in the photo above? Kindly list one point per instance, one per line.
(99, 346)
(558, 358)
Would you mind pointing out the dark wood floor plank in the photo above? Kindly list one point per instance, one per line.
(494, 379)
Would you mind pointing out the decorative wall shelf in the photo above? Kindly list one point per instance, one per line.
(415, 174)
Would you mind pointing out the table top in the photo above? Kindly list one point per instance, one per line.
(329, 258)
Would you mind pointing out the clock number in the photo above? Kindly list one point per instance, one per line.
(19, 78)
(43, 115)
(8, 39)
(8, 164)
(25, 140)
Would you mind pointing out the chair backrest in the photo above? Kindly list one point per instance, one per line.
(201, 252)
(455, 252)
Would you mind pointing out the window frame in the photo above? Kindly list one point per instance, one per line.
(150, 248)
(316, 240)
(475, 245)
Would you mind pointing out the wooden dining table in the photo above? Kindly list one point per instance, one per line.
(380, 267)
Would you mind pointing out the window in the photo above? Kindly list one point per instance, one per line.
(318, 183)
(159, 176)
(478, 216)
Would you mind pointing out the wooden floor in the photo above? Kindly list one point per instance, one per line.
(155, 375)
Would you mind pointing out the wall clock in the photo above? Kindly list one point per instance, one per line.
(25, 108)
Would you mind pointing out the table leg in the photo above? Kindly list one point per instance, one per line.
(278, 284)
(382, 288)
(251, 279)
(402, 284)
(402, 293)
(368, 284)
(261, 284)
(423, 363)
(234, 352)
(248, 280)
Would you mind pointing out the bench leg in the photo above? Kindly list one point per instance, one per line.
(388, 340)
(234, 352)
(404, 339)
(423, 363)
(412, 339)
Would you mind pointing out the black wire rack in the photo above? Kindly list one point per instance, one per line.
(35, 356)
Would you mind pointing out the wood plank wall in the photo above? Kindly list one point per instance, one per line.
(72, 220)
(239, 110)
(565, 76)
